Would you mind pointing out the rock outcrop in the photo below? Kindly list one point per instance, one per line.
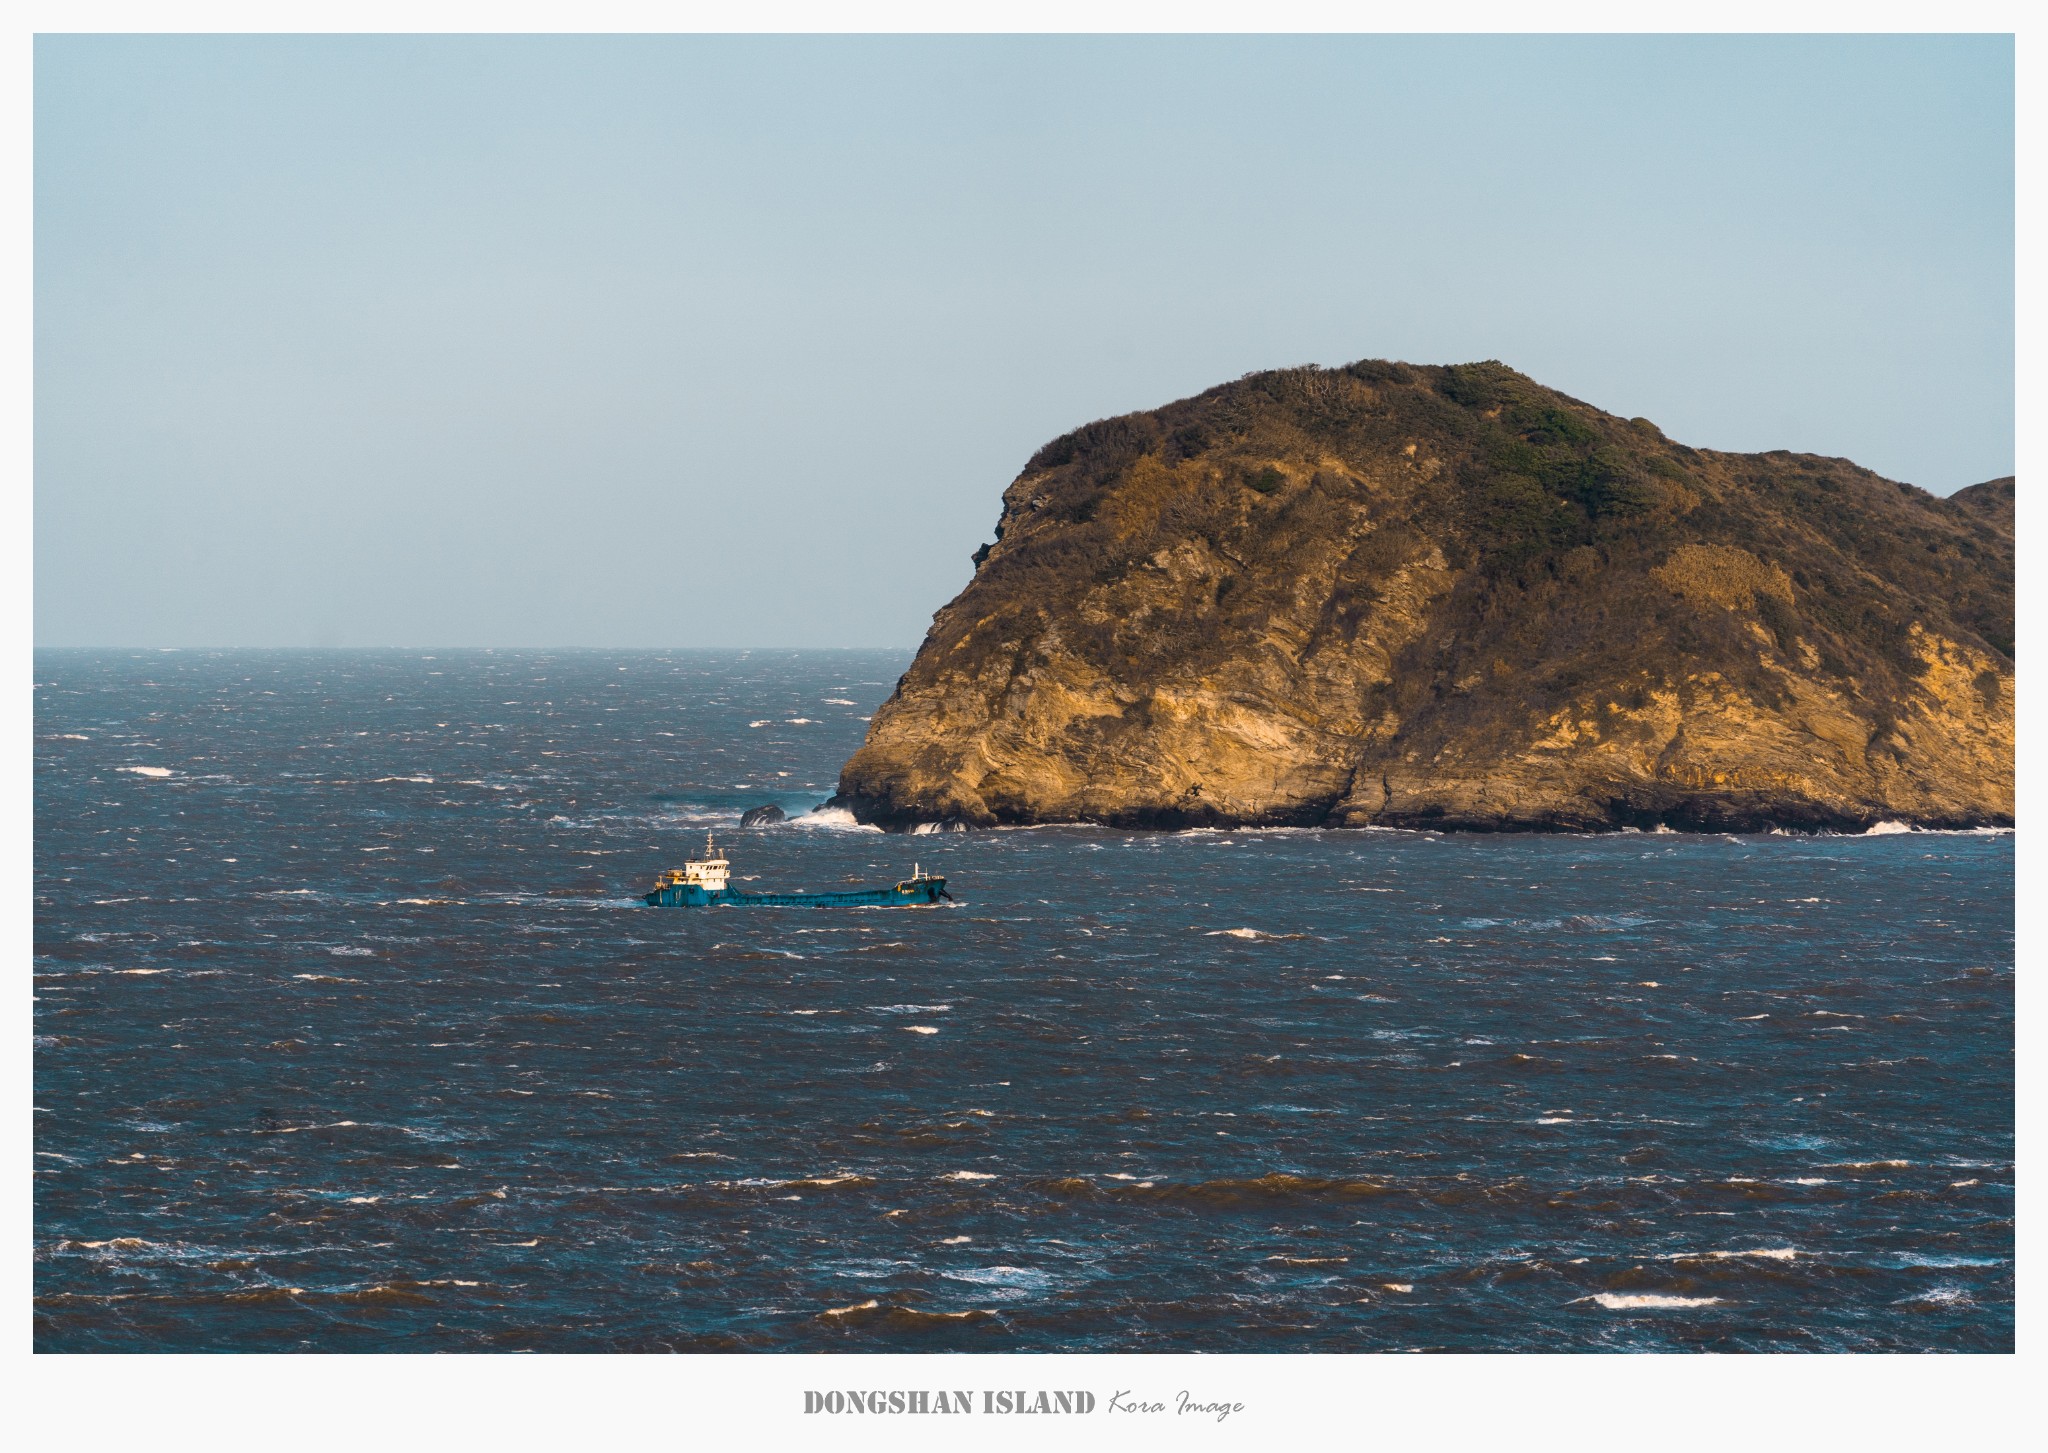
(1450, 597)
(764, 816)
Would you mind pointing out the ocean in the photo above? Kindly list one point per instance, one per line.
(353, 1035)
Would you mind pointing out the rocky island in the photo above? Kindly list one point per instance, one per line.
(1449, 597)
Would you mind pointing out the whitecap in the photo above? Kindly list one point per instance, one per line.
(1619, 1301)
(1942, 1296)
(966, 1175)
(1023, 1278)
(146, 771)
(836, 819)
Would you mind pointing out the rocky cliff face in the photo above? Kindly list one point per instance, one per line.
(1449, 597)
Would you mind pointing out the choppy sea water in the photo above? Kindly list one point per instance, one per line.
(352, 1035)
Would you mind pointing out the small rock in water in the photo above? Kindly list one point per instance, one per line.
(766, 816)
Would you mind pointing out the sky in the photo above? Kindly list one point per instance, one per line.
(688, 341)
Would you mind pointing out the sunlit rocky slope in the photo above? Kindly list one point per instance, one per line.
(1451, 597)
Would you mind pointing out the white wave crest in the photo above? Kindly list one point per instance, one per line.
(1890, 828)
(1023, 1277)
(835, 819)
(1618, 1301)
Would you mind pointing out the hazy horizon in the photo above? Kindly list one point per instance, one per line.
(594, 342)
(905, 648)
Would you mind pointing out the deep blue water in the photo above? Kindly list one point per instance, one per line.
(353, 1036)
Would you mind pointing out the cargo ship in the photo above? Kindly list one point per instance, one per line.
(706, 882)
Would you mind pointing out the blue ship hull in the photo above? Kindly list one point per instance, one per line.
(917, 893)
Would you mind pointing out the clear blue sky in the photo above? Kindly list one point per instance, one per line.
(675, 341)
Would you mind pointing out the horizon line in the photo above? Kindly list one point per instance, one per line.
(43, 646)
